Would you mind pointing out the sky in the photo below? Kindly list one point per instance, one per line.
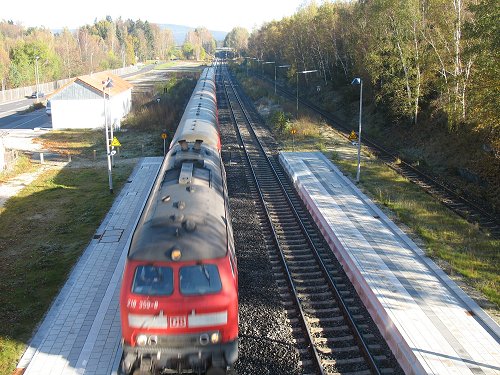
(217, 15)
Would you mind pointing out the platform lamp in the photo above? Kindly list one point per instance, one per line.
(272, 62)
(37, 79)
(302, 72)
(107, 84)
(279, 66)
(359, 81)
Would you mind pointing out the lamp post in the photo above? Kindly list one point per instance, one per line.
(302, 72)
(359, 81)
(91, 63)
(247, 61)
(36, 76)
(107, 85)
(261, 66)
(272, 62)
(280, 66)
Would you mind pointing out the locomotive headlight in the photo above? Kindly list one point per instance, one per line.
(214, 337)
(176, 254)
(142, 340)
(153, 340)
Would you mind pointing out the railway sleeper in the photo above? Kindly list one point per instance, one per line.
(313, 298)
(332, 319)
(326, 330)
(345, 361)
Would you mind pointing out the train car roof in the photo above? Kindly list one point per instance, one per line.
(199, 120)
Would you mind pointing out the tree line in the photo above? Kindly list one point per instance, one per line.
(106, 44)
(434, 57)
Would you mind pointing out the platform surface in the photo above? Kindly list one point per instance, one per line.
(431, 325)
(81, 332)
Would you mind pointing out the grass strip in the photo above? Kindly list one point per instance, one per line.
(44, 231)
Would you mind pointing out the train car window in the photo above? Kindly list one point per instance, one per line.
(199, 279)
(153, 280)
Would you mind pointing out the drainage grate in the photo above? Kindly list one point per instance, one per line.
(112, 235)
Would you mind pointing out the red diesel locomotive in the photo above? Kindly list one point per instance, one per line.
(179, 294)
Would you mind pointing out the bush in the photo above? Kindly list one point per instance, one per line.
(279, 121)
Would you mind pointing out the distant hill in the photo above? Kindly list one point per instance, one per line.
(180, 32)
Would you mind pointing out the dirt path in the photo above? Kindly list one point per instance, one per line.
(13, 186)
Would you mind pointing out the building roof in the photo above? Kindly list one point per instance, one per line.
(95, 81)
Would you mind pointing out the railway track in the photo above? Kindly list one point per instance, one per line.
(333, 331)
(466, 207)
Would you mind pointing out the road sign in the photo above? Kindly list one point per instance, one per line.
(115, 142)
(353, 136)
(163, 135)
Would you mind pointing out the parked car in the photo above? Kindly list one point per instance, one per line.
(40, 95)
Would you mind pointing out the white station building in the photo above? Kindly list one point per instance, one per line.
(83, 102)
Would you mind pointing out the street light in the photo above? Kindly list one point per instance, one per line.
(261, 66)
(302, 72)
(273, 62)
(246, 61)
(91, 63)
(107, 85)
(36, 76)
(280, 66)
(359, 81)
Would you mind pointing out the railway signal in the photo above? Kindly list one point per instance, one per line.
(353, 137)
(164, 137)
(293, 131)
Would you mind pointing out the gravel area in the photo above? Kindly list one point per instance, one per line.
(266, 345)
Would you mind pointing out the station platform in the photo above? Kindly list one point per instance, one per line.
(430, 324)
(81, 331)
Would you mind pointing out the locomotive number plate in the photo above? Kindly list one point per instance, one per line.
(177, 321)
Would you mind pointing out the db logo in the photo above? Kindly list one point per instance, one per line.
(177, 321)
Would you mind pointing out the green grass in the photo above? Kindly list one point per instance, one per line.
(44, 231)
(166, 65)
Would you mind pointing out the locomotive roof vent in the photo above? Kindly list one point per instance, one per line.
(186, 175)
(177, 218)
(190, 225)
(184, 145)
(197, 144)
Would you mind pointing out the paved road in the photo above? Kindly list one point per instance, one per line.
(17, 129)
(19, 120)
(10, 108)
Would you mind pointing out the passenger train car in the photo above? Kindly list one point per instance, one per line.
(179, 294)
